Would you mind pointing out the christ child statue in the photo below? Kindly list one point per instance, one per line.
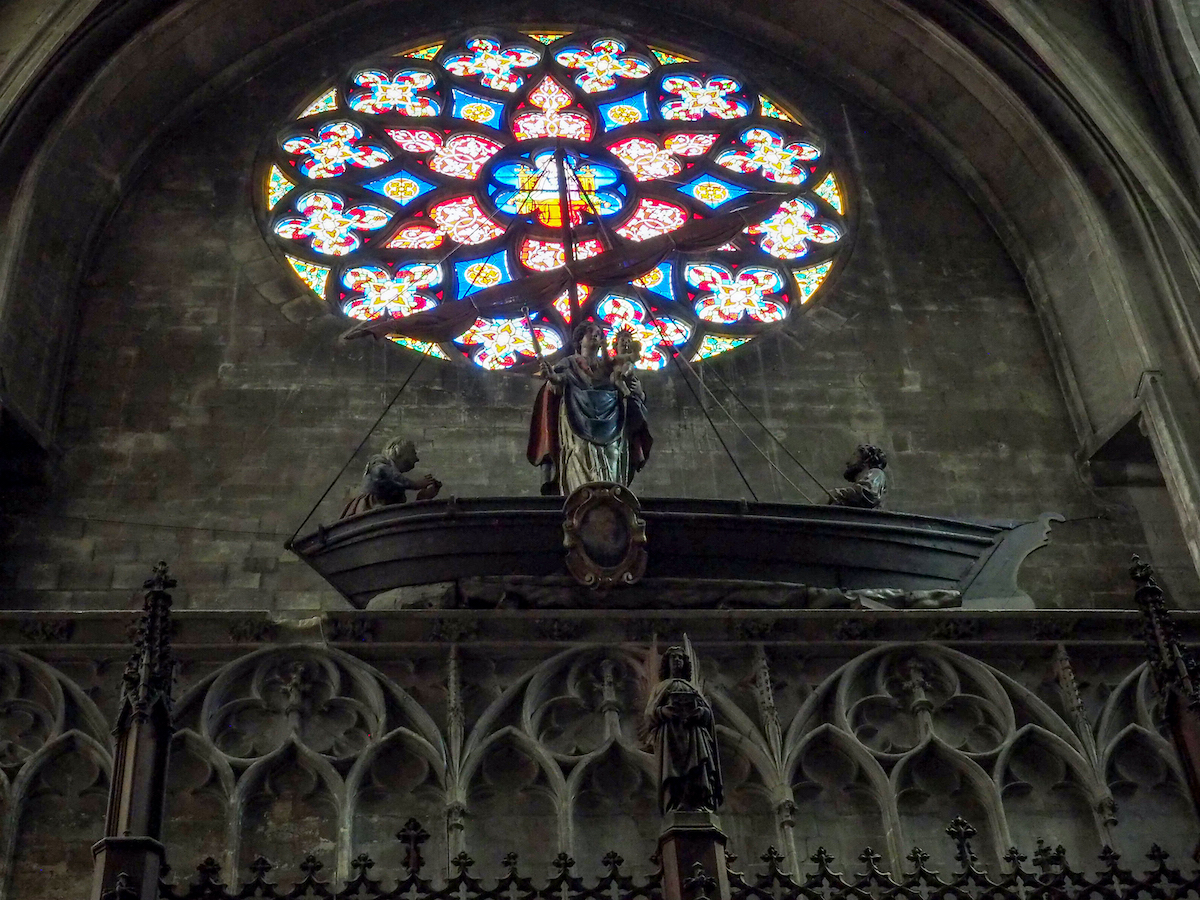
(627, 350)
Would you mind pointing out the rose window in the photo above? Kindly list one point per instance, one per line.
(477, 198)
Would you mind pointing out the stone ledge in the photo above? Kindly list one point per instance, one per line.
(232, 632)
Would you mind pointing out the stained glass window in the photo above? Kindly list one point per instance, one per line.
(427, 183)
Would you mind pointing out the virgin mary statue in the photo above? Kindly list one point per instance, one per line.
(589, 419)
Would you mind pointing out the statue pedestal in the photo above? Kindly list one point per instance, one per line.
(139, 859)
(692, 849)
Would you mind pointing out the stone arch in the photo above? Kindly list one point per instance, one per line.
(934, 784)
(402, 776)
(1133, 702)
(753, 793)
(946, 90)
(837, 699)
(878, 695)
(499, 715)
(289, 804)
(324, 698)
(515, 796)
(613, 804)
(532, 702)
(1049, 792)
(1152, 798)
(735, 726)
(567, 692)
(843, 799)
(39, 707)
(200, 814)
(59, 801)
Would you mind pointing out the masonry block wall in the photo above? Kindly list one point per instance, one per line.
(211, 402)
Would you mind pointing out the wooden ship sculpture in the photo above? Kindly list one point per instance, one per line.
(780, 548)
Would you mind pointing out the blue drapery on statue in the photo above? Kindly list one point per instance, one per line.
(595, 414)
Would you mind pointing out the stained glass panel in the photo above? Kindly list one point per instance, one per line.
(788, 233)
(603, 64)
(403, 187)
(552, 122)
(416, 236)
(658, 335)
(328, 225)
(562, 303)
(384, 293)
(463, 220)
(728, 297)
(474, 108)
(690, 144)
(543, 255)
(808, 280)
(496, 67)
(772, 111)
(313, 275)
(278, 186)
(424, 177)
(712, 191)
(333, 149)
(501, 343)
(404, 92)
(428, 52)
(652, 218)
(645, 159)
(713, 344)
(765, 152)
(324, 103)
(473, 275)
(829, 191)
(426, 347)
(625, 112)
(528, 185)
(658, 280)
(691, 98)
(459, 156)
(463, 155)
(668, 58)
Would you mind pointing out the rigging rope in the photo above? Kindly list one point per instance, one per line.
(361, 444)
(691, 390)
(771, 434)
(737, 425)
(700, 403)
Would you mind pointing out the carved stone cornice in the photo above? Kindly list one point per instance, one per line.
(199, 634)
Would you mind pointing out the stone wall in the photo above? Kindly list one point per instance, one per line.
(210, 404)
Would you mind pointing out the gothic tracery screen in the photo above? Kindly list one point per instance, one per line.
(420, 179)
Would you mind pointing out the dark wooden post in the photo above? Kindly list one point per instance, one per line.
(129, 858)
(1175, 675)
(692, 853)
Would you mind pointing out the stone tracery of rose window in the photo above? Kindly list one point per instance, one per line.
(423, 178)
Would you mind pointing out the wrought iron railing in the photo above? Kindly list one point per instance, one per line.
(1050, 877)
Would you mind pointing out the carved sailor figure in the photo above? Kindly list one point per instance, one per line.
(868, 483)
(384, 481)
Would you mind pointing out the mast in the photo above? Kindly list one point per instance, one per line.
(564, 208)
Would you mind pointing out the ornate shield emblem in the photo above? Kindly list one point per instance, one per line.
(603, 535)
